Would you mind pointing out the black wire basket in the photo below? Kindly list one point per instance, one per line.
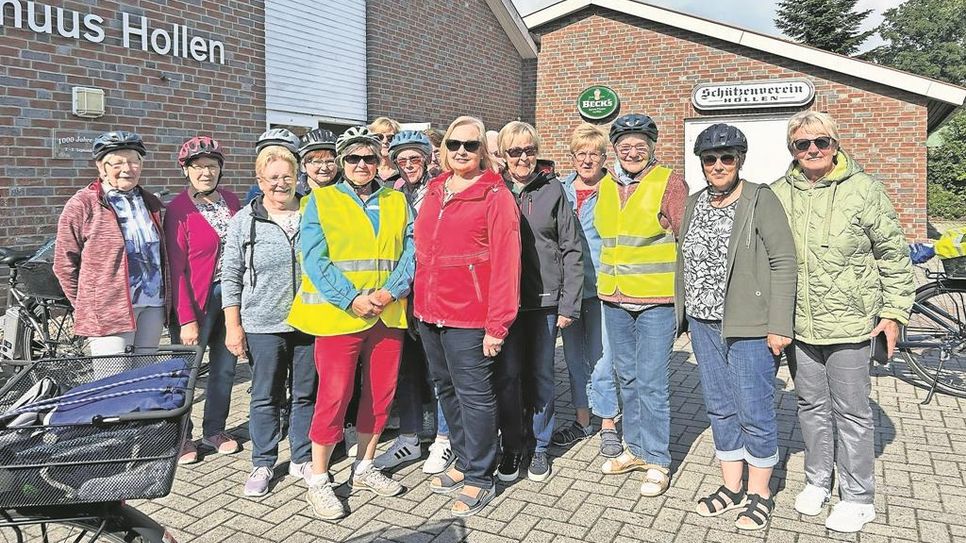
(36, 278)
(955, 268)
(103, 457)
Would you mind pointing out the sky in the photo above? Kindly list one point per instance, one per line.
(757, 15)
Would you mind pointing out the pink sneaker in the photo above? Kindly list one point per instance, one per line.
(189, 453)
(222, 443)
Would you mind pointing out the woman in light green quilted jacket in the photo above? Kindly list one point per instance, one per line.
(855, 281)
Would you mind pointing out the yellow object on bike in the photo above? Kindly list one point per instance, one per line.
(951, 244)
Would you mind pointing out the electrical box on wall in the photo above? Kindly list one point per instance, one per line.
(88, 102)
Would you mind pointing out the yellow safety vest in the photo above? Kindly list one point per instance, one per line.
(637, 254)
(366, 259)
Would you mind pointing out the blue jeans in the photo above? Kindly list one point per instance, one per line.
(274, 357)
(589, 364)
(528, 354)
(464, 378)
(413, 374)
(738, 383)
(641, 343)
(221, 364)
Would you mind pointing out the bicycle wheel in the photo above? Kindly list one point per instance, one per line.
(105, 523)
(936, 330)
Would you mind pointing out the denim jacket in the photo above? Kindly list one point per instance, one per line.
(590, 240)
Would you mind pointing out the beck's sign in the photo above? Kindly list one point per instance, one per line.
(758, 94)
(597, 102)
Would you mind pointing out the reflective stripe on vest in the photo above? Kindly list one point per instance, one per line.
(637, 254)
(365, 257)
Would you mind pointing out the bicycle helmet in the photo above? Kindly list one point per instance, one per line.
(355, 134)
(200, 146)
(721, 136)
(317, 139)
(410, 139)
(116, 141)
(633, 123)
(279, 136)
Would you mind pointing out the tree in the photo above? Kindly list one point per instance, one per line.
(832, 25)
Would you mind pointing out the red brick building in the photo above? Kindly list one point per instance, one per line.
(656, 59)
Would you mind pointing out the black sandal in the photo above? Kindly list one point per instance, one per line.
(717, 504)
(447, 484)
(474, 505)
(758, 511)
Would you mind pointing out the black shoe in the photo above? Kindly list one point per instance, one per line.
(509, 468)
(539, 469)
(570, 434)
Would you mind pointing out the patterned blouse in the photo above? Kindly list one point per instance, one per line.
(218, 216)
(705, 250)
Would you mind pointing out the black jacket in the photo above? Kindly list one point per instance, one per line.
(552, 272)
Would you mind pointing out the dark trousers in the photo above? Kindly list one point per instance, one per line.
(280, 361)
(464, 380)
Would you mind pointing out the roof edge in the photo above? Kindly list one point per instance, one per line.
(509, 18)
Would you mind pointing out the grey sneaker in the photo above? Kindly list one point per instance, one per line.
(539, 469)
(610, 443)
(324, 502)
(257, 483)
(373, 479)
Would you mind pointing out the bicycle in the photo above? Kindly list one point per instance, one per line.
(932, 343)
(68, 480)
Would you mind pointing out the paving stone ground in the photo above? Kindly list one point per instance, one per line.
(920, 461)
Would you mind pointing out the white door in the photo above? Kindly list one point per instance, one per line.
(768, 156)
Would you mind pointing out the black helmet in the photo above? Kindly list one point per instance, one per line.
(317, 139)
(721, 136)
(116, 141)
(631, 124)
(279, 136)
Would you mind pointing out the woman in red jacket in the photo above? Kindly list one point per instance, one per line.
(195, 227)
(466, 293)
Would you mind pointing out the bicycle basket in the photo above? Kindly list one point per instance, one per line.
(955, 268)
(121, 457)
(36, 278)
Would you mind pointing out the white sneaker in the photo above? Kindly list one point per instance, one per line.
(850, 517)
(811, 500)
(351, 438)
(301, 470)
(440, 457)
(404, 449)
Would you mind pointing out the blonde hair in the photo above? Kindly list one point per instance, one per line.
(272, 153)
(483, 152)
(517, 128)
(815, 121)
(588, 135)
(384, 124)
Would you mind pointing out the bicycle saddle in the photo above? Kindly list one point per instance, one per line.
(12, 257)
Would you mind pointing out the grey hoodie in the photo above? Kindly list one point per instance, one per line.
(260, 270)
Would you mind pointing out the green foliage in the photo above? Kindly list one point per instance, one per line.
(944, 204)
(947, 161)
(832, 25)
(926, 37)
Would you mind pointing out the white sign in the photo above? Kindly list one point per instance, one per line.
(760, 94)
(136, 30)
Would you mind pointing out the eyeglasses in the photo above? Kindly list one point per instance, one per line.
(385, 138)
(279, 180)
(821, 143)
(711, 160)
(517, 152)
(471, 146)
(370, 160)
(641, 149)
(415, 161)
(319, 163)
(584, 155)
(210, 168)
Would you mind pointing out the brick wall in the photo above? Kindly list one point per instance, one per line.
(164, 98)
(434, 61)
(654, 68)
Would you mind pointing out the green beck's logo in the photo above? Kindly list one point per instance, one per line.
(597, 102)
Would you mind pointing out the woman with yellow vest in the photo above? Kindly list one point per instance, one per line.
(357, 253)
(640, 205)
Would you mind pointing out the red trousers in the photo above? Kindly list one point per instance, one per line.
(377, 350)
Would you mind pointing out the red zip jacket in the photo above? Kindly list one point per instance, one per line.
(468, 257)
(90, 262)
(194, 248)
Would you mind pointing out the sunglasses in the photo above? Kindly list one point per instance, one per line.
(471, 146)
(821, 143)
(517, 152)
(415, 161)
(711, 160)
(385, 138)
(370, 160)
